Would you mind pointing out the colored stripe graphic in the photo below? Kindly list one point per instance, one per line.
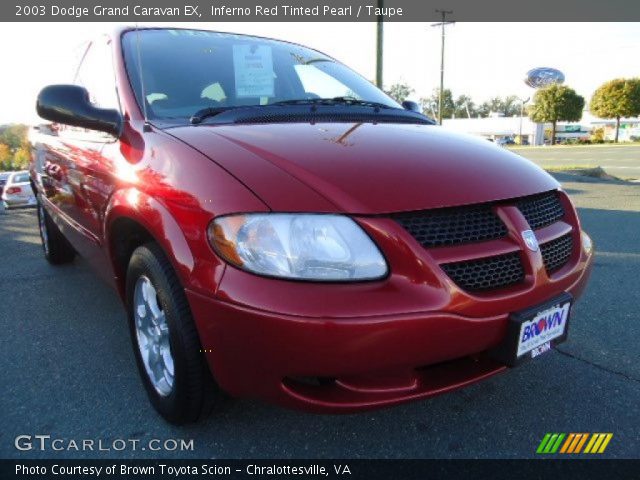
(543, 443)
(567, 442)
(556, 445)
(592, 441)
(598, 443)
(605, 443)
(581, 443)
(550, 443)
(574, 442)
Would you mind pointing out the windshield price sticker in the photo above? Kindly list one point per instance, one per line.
(253, 66)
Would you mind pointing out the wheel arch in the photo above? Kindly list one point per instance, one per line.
(133, 218)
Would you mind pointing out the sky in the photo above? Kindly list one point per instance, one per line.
(482, 60)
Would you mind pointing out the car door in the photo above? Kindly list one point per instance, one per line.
(75, 164)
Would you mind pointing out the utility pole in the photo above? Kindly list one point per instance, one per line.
(523, 100)
(379, 47)
(442, 24)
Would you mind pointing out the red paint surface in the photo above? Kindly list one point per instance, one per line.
(385, 341)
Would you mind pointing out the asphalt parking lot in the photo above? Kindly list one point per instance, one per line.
(68, 369)
(622, 161)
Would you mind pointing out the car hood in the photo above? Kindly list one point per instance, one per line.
(365, 168)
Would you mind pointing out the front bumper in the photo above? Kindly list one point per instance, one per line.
(328, 363)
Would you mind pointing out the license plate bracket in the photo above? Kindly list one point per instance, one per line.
(535, 330)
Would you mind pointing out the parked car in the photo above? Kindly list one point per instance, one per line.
(273, 221)
(504, 141)
(17, 191)
(4, 176)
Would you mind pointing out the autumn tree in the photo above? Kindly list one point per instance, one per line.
(14, 136)
(399, 91)
(616, 99)
(5, 157)
(22, 157)
(556, 103)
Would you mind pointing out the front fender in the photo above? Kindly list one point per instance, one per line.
(154, 217)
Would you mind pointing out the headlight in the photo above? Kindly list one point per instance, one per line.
(304, 247)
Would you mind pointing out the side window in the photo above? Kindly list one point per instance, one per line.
(96, 74)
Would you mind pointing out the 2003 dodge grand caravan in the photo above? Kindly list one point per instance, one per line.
(273, 221)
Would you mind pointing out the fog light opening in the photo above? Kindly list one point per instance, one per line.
(587, 243)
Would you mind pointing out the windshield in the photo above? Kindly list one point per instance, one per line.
(188, 70)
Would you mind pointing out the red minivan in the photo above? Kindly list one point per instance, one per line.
(277, 227)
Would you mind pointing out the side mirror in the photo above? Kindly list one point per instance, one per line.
(411, 106)
(70, 105)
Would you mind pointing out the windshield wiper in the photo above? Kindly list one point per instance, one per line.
(203, 113)
(208, 112)
(333, 101)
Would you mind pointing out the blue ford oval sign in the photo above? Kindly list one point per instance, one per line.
(543, 76)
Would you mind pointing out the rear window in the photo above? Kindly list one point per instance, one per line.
(20, 178)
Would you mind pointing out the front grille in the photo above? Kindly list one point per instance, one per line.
(541, 210)
(556, 253)
(453, 226)
(487, 273)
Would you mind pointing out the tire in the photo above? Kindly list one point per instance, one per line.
(57, 249)
(165, 340)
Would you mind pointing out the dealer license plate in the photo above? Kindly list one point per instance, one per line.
(545, 326)
(534, 331)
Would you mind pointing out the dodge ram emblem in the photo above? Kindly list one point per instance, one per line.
(530, 240)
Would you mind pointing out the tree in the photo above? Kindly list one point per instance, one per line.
(430, 104)
(511, 106)
(617, 98)
(508, 106)
(14, 136)
(464, 107)
(556, 103)
(5, 157)
(22, 157)
(399, 91)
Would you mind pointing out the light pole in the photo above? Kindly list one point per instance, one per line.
(522, 115)
(442, 24)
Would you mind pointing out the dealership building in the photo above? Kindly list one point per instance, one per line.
(496, 127)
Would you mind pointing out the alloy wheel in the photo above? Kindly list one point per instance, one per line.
(152, 332)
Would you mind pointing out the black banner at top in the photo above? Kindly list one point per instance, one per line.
(157, 11)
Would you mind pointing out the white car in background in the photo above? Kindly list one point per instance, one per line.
(17, 191)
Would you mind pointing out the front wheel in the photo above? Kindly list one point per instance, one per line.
(165, 341)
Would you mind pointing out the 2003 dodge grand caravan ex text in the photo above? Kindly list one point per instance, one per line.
(279, 228)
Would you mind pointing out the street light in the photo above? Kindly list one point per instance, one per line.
(442, 24)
